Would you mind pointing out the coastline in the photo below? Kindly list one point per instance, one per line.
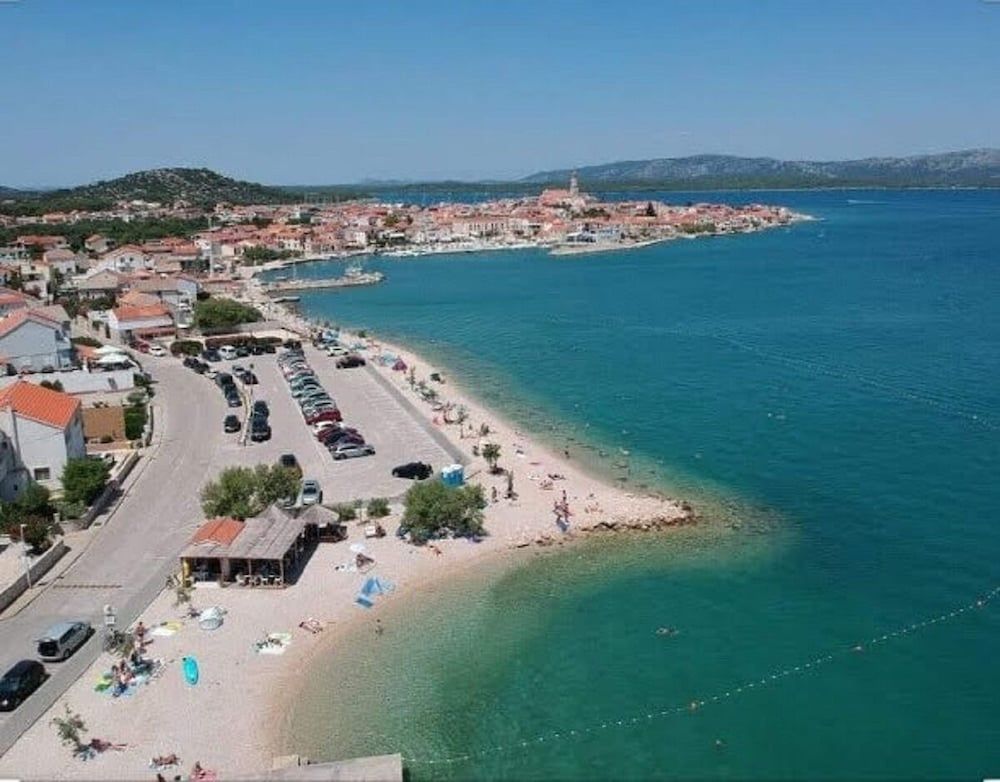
(185, 719)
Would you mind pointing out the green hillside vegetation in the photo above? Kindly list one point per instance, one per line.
(197, 186)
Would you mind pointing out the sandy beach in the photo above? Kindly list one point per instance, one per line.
(231, 720)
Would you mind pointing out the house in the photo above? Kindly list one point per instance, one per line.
(99, 284)
(33, 341)
(32, 242)
(98, 244)
(44, 428)
(130, 322)
(125, 260)
(170, 290)
(11, 300)
(64, 261)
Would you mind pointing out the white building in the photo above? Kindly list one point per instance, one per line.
(125, 260)
(130, 322)
(34, 340)
(43, 429)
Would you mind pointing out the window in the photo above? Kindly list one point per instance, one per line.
(42, 473)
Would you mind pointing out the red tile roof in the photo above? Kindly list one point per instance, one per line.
(39, 404)
(138, 313)
(222, 531)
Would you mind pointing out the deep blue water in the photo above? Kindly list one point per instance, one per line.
(833, 391)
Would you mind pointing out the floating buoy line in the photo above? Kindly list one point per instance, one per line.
(697, 704)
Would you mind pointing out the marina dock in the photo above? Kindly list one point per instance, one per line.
(305, 284)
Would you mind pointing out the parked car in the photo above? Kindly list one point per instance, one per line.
(224, 379)
(337, 351)
(157, 350)
(260, 430)
(142, 347)
(237, 369)
(311, 493)
(249, 378)
(347, 362)
(321, 425)
(352, 451)
(260, 406)
(289, 461)
(228, 352)
(242, 351)
(417, 471)
(333, 436)
(323, 415)
(19, 682)
(62, 639)
(231, 424)
(211, 355)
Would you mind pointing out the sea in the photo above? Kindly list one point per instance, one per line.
(827, 394)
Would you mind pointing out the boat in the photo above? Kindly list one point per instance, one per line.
(286, 299)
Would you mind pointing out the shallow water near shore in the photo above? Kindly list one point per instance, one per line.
(830, 389)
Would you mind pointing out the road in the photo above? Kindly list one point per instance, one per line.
(127, 561)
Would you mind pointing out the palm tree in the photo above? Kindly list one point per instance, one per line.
(491, 453)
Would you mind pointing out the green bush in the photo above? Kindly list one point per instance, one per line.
(345, 512)
(434, 510)
(135, 421)
(378, 507)
(84, 479)
(37, 533)
(220, 313)
(185, 347)
(71, 510)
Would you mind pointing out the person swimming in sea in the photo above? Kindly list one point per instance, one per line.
(669, 632)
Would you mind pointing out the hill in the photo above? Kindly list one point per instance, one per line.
(968, 168)
(198, 186)
(9, 192)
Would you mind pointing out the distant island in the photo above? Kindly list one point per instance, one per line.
(967, 168)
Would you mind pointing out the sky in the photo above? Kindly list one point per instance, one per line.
(332, 91)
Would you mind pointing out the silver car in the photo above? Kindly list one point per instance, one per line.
(352, 451)
(61, 640)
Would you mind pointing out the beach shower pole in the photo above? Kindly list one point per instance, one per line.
(24, 555)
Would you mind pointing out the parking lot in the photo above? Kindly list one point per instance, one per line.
(365, 403)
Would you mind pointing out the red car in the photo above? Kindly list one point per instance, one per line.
(324, 415)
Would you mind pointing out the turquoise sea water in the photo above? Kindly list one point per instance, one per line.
(831, 392)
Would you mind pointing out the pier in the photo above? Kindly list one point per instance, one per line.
(347, 281)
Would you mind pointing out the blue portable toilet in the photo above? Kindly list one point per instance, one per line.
(453, 475)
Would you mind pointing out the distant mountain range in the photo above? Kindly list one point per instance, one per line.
(968, 168)
(198, 186)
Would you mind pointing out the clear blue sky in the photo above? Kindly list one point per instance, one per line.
(289, 91)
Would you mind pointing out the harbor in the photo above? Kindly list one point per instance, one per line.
(350, 279)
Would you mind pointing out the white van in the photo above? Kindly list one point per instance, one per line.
(228, 352)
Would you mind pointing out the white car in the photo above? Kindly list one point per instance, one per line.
(336, 351)
(157, 350)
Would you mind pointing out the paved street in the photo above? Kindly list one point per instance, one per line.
(127, 561)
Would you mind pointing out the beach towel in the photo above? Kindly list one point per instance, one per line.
(166, 629)
(273, 643)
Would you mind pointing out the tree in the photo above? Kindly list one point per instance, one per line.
(650, 209)
(491, 453)
(55, 385)
(242, 492)
(37, 533)
(221, 313)
(69, 728)
(435, 510)
(84, 479)
(35, 500)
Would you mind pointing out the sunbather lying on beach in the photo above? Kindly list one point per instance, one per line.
(311, 625)
(100, 745)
